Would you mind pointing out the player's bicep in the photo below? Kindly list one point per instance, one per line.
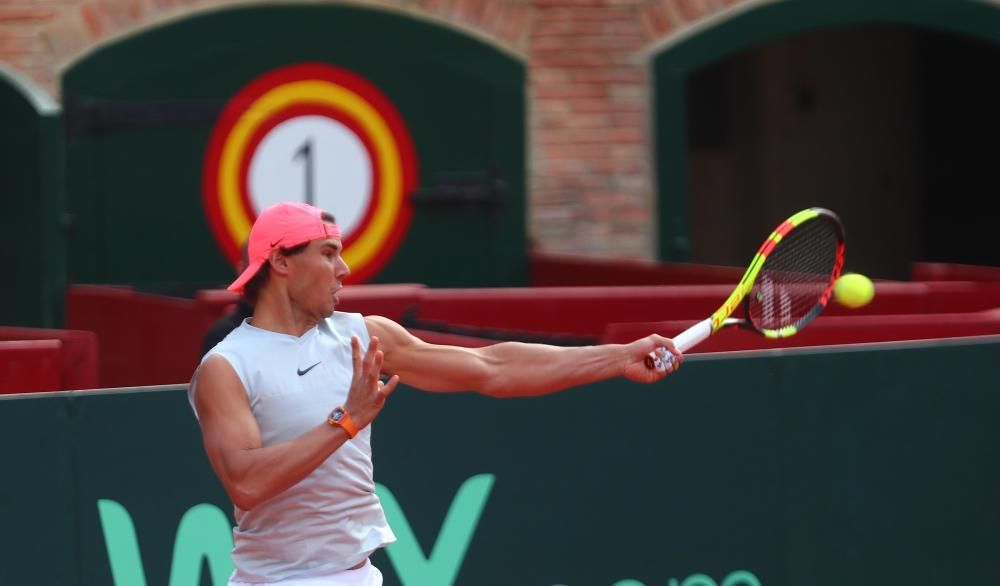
(227, 424)
(431, 367)
(434, 367)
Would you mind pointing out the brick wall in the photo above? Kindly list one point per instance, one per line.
(590, 170)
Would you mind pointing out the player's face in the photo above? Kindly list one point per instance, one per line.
(318, 275)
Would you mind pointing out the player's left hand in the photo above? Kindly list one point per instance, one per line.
(636, 353)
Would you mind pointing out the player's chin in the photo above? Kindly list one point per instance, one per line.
(329, 308)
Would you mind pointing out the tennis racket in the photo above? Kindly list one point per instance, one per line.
(788, 283)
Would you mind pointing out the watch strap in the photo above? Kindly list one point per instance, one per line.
(339, 417)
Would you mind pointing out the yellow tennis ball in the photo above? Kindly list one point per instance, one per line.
(853, 290)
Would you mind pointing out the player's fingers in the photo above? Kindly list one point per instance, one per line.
(370, 354)
(356, 354)
(390, 386)
(376, 365)
(662, 342)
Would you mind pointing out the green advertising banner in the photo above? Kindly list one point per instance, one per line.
(865, 466)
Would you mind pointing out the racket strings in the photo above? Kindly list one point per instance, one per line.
(795, 276)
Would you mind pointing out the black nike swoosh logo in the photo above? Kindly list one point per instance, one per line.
(302, 372)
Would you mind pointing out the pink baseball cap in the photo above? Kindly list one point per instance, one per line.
(282, 225)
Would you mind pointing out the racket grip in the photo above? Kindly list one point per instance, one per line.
(662, 359)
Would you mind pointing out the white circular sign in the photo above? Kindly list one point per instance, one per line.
(317, 160)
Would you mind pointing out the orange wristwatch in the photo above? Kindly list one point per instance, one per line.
(341, 418)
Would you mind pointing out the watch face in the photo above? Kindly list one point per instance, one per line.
(337, 415)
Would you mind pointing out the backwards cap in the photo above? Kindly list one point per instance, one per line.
(282, 225)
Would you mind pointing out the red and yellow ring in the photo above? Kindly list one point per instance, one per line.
(312, 89)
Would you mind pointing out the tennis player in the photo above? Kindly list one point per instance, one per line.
(286, 402)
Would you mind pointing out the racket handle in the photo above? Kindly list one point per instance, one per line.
(662, 359)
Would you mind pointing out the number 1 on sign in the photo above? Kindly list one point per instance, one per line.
(305, 152)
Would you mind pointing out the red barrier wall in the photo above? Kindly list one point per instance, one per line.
(151, 339)
(826, 331)
(563, 270)
(145, 339)
(148, 339)
(936, 271)
(588, 310)
(75, 366)
(29, 366)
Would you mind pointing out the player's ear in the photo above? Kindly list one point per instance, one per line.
(278, 262)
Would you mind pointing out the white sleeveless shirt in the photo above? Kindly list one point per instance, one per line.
(332, 519)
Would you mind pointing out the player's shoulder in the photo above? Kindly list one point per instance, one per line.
(379, 321)
(215, 364)
(215, 379)
(379, 325)
(392, 334)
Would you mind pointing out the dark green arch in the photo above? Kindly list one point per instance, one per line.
(32, 197)
(753, 24)
(140, 110)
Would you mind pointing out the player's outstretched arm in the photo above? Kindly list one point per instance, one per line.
(511, 369)
(251, 473)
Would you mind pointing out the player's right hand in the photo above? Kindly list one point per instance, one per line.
(368, 393)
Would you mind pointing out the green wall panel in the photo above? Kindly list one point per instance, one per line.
(111, 444)
(863, 466)
(38, 493)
